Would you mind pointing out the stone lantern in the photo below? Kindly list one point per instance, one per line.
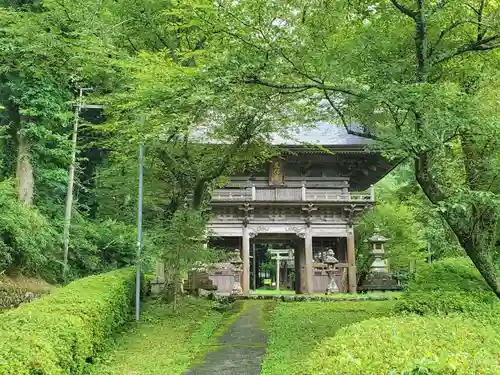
(378, 278)
(330, 261)
(236, 262)
(377, 242)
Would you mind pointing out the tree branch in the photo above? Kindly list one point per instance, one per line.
(288, 59)
(344, 122)
(424, 178)
(481, 45)
(449, 29)
(403, 9)
(299, 86)
(132, 45)
(480, 32)
(227, 32)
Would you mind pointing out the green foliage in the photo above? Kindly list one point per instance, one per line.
(403, 215)
(446, 302)
(409, 346)
(449, 286)
(397, 223)
(27, 240)
(182, 246)
(180, 338)
(60, 333)
(453, 274)
(31, 244)
(297, 328)
(97, 247)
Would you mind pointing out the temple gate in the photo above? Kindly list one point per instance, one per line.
(311, 194)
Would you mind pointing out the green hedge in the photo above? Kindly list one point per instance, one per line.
(408, 346)
(59, 333)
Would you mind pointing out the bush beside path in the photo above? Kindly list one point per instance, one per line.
(61, 333)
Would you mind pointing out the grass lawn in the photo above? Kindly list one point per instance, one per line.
(296, 329)
(164, 343)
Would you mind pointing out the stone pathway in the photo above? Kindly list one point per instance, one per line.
(240, 349)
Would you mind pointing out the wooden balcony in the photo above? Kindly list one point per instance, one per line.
(291, 194)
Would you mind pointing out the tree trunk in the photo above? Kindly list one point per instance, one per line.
(24, 171)
(482, 259)
(199, 192)
(21, 144)
(476, 239)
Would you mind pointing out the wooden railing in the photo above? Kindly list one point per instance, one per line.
(281, 194)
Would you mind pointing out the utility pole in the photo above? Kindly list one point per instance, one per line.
(139, 236)
(71, 179)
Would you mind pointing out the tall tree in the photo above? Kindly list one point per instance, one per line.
(415, 75)
(44, 57)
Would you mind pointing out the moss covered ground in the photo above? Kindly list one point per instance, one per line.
(170, 343)
(296, 329)
(165, 342)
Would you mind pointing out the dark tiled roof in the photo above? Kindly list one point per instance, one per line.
(320, 134)
(317, 134)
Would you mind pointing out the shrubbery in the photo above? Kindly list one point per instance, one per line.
(452, 274)
(27, 241)
(448, 286)
(97, 247)
(31, 242)
(437, 302)
(59, 333)
(409, 345)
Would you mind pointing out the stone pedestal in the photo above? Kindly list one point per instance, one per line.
(332, 285)
(379, 281)
(159, 281)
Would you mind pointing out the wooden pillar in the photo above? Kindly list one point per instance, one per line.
(296, 255)
(308, 261)
(300, 266)
(351, 260)
(245, 256)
